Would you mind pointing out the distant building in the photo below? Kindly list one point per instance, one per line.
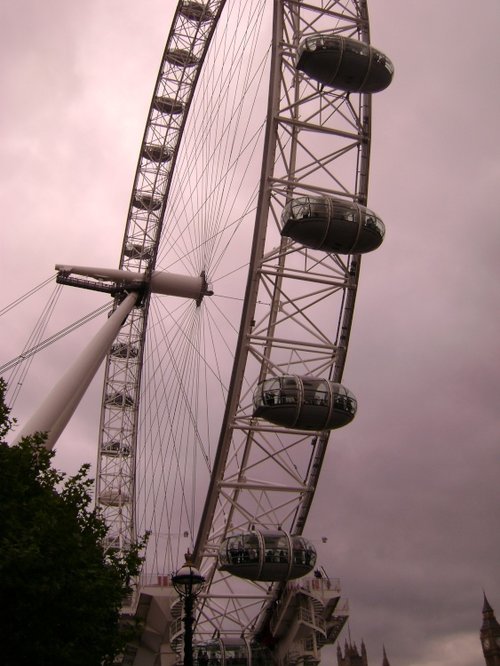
(352, 657)
(490, 635)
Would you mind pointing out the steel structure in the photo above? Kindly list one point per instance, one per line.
(177, 414)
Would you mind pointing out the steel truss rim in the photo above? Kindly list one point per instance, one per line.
(359, 193)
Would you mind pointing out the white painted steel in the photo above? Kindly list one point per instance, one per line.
(164, 128)
(265, 476)
(158, 282)
(296, 313)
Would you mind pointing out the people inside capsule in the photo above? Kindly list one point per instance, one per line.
(344, 63)
(205, 654)
(332, 225)
(168, 105)
(116, 448)
(304, 403)
(230, 652)
(266, 555)
(121, 399)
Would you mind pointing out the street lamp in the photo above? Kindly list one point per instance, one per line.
(188, 582)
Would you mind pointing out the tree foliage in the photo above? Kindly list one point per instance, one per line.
(61, 592)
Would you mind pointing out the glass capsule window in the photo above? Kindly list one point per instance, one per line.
(344, 63)
(381, 59)
(305, 207)
(320, 42)
(353, 46)
(332, 225)
(343, 399)
(316, 392)
(371, 221)
(208, 654)
(235, 655)
(230, 653)
(276, 549)
(305, 403)
(344, 211)
(265, 555)
(241, 549)
(279, 391)
(304, 553)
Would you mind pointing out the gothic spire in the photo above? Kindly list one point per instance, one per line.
(489, 620)
(486, 604)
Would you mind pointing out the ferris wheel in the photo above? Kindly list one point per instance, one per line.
(233, 305)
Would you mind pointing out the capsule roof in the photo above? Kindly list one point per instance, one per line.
(332, 225)
(344, 63)
(304, 403)
(267, 556)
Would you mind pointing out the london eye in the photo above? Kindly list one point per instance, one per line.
(232, 309)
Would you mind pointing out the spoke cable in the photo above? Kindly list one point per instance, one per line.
(22, 298)
(39, 346)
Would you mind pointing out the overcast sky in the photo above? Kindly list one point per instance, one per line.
(413, 482)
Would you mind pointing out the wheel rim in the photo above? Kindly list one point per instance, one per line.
(196, 228)
(283, 325)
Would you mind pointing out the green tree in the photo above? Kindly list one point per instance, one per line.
(60, 592)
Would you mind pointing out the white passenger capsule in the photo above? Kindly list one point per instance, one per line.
(168, 105)
(231, 652)
(138, 251)
(304, 403)
(344, 63)
(156, 153)
(146, 202)
(266, 555)
(181, 58)
(332, 225)
(119, 399)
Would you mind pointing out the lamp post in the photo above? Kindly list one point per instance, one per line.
(188, 582)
